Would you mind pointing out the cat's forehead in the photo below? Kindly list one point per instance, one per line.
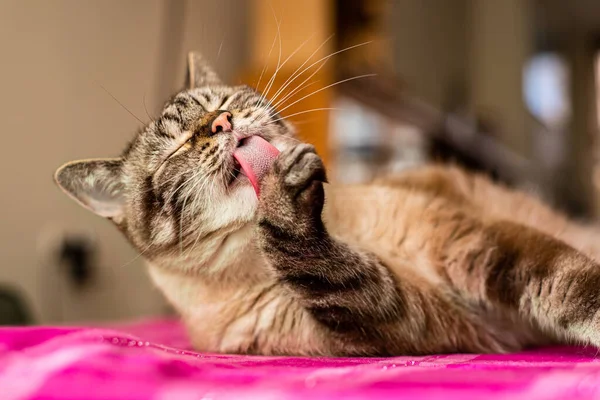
(188, 106)
(212, 98)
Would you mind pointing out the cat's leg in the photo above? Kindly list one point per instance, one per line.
(517, 268)
(341, 286)
(348, 291)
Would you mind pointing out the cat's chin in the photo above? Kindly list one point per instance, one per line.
(243, 194)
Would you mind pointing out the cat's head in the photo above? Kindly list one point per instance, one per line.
(177, 184)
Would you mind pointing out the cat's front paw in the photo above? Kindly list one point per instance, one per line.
(292, 193)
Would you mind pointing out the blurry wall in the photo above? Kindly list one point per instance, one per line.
(56, 56)
(501, 40)
(430, 46)
(466, 54)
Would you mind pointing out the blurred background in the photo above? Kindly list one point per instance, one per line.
(509, 88)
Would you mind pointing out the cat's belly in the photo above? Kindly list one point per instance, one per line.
(259, 318)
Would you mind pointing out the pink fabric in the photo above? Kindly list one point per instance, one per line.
(152, 360)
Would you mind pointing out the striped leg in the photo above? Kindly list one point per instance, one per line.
(343, 288)
(542, 279)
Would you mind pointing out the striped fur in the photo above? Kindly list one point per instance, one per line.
(433, 260)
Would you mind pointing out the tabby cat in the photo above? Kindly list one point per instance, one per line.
(433, 260)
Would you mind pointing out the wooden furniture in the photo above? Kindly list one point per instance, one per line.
(287, 40)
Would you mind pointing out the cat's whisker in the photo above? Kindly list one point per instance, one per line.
(122, 105)
(265, 66)
(304, 121)
(181, 215)
(287, 137)
(302, 112)
(220, 47)
(146, 108)
(168, 201)
(327, 87)
(202, 182)
(173, 193)
(291, 94)
(293, 76)
(191, 248)
(325, 58)
(140, 254)
(279, 67)
(162, 184)
(270, 82)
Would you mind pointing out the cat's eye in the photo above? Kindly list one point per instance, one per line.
(181, 145)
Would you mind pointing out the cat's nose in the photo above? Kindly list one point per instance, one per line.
(222, 123)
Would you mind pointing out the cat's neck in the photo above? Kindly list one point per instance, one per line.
(213, 273)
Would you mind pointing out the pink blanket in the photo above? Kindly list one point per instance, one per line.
(152, 360)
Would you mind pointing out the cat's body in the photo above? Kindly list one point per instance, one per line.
(432, 260)
(412, 222)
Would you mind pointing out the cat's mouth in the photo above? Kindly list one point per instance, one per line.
(236, 170)
(253, 157)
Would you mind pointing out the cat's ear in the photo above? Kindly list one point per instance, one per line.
(95, 184)
(200, 73)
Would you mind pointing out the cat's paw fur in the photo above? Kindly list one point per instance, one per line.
(292, 193)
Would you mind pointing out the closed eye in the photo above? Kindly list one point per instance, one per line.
(179, 146)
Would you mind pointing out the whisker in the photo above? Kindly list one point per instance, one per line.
(199, 232)
(325, 58)
(287, 137)
(265, 66)
(168, 201)
(302, 112)
(327, 87)
(294, 92)
(322, 59)
(279, 67)
(290, 80)
(146, 108)
(270, 83)
(202, 183)
(141, 253)
(220, 47)
(122, 105)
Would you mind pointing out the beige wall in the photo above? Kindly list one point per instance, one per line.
(55, 56)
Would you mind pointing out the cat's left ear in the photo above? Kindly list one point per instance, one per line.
(96, 185)
(200, 73)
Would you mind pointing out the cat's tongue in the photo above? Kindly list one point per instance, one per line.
(255, 156)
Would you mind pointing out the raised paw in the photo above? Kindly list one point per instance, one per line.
(292, 193)
(298, 167)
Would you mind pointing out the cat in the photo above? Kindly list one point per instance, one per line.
(431, 260)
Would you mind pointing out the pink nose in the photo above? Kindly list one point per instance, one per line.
(222, 123)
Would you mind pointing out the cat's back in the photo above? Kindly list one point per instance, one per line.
(396, 216)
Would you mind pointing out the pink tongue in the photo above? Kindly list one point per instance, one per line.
(255, 157)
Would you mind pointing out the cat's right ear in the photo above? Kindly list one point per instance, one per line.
(200, 73)
(95, 184)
